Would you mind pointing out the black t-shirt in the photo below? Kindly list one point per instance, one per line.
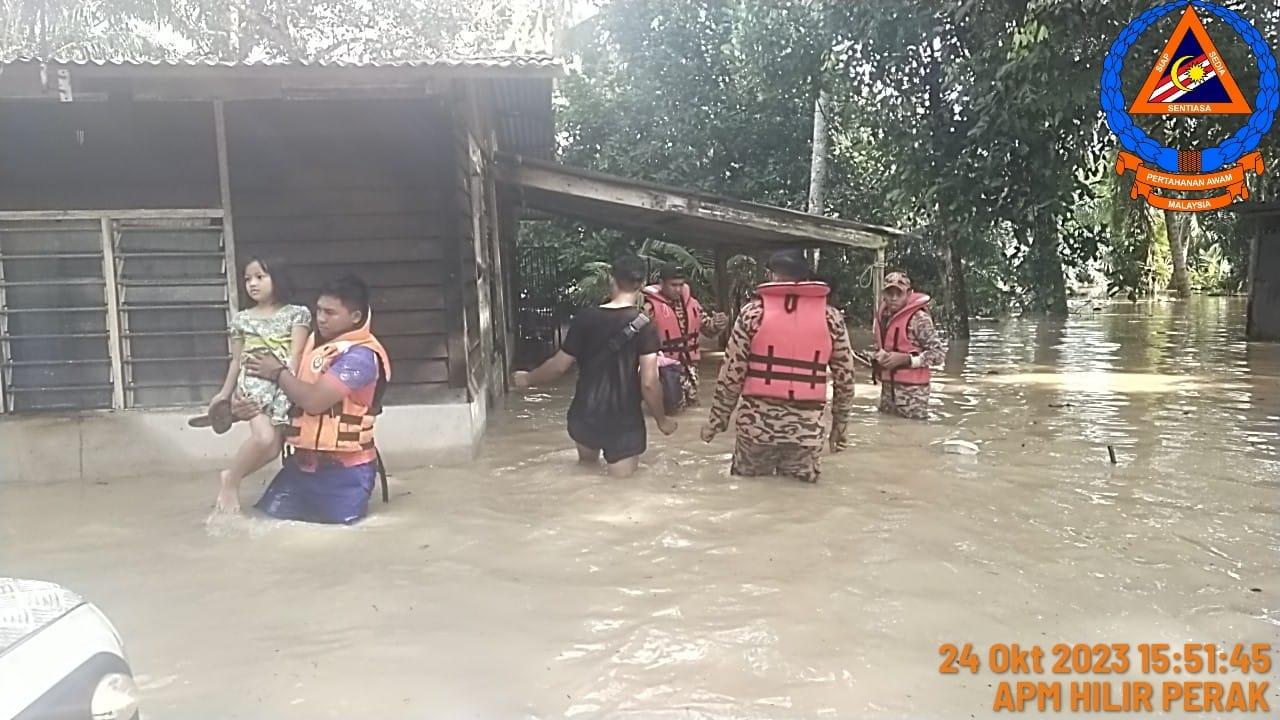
(608, 390)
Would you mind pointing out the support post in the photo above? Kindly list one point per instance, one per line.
(5, 352)
(114, 347)
(877, 280)
(723, 287)
(228, 223)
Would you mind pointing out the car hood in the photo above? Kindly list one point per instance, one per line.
(28, 605)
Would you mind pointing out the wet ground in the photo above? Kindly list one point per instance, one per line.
(522, 586)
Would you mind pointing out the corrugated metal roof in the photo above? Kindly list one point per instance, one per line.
(550, 64)
(525, 122)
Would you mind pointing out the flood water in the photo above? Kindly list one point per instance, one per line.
(523, 587)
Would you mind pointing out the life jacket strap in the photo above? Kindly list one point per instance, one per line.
(813, 380)
(788, 362)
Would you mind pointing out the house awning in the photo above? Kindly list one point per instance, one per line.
(688, 216)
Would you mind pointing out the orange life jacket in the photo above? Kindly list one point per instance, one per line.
(791, 349)
(677, 341)
(346, 427)
(895, 338)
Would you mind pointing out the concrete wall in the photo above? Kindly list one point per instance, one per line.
(99, 446)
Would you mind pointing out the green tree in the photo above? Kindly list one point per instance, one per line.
(100, 29)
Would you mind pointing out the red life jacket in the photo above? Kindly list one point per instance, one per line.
(677, 341)
(894, 338)
(789, 353)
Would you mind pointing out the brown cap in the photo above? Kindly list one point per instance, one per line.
(897, 280)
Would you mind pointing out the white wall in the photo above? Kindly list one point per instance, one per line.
(122, 445)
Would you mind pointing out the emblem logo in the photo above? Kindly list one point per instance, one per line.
(1190, 77)
(317, 362)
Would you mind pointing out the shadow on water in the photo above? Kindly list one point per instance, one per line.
(524, 586)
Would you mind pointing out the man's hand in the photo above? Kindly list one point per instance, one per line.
(243, 408)
(719, 322)
(839, 440)
(668, 426)
(892, 360)
(263, 365)
(217, 399)
(520, 379)
(708, 433)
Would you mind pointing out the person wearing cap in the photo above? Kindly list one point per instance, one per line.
(787, 346)
(907, 345)
(679, 319)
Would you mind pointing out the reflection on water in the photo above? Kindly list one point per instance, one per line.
(523, 586)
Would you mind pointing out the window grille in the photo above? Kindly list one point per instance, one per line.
(100, 312)
(54, 343)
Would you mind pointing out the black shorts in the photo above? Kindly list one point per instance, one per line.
(618, 442)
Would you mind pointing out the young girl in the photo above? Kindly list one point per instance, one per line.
(272, 326)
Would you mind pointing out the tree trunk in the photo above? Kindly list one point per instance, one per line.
(954, 287)
(1049, 282)
(940, 111)
(1178, 227)
(818, 159)
(818, 164)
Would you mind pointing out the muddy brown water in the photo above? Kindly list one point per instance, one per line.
(521, 586)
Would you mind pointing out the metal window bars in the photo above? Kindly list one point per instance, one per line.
(171, 277)
(53, 336)
(112, 309)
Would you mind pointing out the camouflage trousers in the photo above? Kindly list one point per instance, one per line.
(801, 462)
(689, 384)
(908, 401)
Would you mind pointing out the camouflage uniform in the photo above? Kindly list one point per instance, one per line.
(778, 436)
(912, 401)
(688, 378)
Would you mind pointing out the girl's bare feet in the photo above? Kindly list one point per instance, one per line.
(228, 495)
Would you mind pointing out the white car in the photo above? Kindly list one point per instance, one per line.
(60, 658)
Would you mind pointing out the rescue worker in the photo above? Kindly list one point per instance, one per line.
(678, 316)
(336, 396)
(786, 347)
(907, 345)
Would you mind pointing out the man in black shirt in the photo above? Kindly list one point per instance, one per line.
(616, 349)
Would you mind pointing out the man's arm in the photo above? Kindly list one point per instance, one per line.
(353, 370)
(733, 372)
(651, 388)
(549, 371)
(714, 324)
(841, 371)
(924, 334)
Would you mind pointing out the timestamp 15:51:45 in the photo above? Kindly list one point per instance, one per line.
(1193, 658)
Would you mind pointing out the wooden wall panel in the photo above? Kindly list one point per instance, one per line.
(335, 187)
(107, 155)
